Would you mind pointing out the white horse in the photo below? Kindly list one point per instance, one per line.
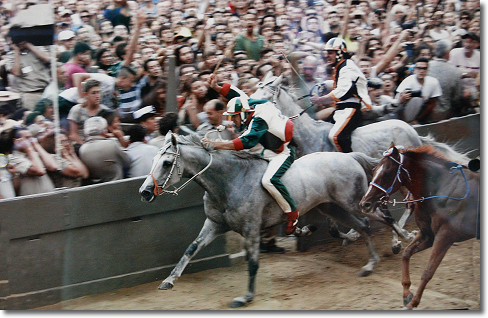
(235, 200)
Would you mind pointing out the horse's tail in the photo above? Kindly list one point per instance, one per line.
(448, 151)
(367, 163)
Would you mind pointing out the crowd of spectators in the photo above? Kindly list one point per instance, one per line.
(421, 59)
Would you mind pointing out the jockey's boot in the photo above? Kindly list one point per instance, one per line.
(271, 247)
(292, 222)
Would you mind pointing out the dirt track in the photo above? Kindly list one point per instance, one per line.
(323, 278)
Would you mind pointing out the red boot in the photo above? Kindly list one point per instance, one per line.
(291, 225)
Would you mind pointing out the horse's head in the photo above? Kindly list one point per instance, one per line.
(268, 87)
(387, 179)
(166, 170)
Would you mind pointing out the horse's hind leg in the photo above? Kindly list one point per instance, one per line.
(361, 225)
(442, 243)
(349, 237)
(208, 233)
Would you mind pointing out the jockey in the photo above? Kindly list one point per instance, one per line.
(265, 125)
(350, 93)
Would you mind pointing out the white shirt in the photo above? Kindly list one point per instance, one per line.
(430, 89)
(466, 64)
(141, 156)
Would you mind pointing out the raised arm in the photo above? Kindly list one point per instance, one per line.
(392, 52)
(131, 49)
(79, 78)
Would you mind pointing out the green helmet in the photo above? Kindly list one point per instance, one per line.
(237, 105)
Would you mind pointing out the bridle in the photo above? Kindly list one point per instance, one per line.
(159, 190)
(384, 199)
(388, 153)
(272, 91)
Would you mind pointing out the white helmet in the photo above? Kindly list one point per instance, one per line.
(338, 45)
(239, 105)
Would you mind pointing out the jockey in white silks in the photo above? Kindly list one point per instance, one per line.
(265, 125)
(350, 94)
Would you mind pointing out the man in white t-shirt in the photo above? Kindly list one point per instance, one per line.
(468, 60)
(418, 94)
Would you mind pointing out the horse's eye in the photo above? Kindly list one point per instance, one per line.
(167, 164)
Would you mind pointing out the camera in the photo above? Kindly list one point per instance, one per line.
(415, 93)
(280, 57)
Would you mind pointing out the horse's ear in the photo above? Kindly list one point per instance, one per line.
(173, 140)
(167, 138)
(395, 151)
(278, 80)
(267, 77)
(392, 145)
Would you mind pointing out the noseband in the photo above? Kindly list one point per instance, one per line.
(158, 190)
(388, 191)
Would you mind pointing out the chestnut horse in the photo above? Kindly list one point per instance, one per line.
(446, 196)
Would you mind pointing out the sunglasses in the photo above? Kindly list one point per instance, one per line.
(421, 68)
(464, 18)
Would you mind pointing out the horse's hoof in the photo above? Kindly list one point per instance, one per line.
(165, 286)
(407, 300)
(305, 231)
(238, 302)
(406, 308)
(396, 248)
(346, 242)
(413, 234)
(364, 272)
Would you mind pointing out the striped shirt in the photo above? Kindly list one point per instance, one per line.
(129, 101)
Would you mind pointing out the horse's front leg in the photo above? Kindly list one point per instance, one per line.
(442, 243)
(251, 234)
(419, 243)
(208, 233)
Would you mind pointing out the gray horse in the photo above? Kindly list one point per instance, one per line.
(235, 200)
(311, 136)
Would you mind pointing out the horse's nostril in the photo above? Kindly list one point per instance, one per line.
(365, 205)
(147, 195)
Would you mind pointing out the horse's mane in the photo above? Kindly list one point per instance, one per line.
(290, 91)
(195, 141)
(429, 151)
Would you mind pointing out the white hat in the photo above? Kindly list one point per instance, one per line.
(140, 113)
(65, 12)
(94, 126)
(66, 35)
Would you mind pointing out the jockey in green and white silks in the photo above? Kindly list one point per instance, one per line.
(264, 124)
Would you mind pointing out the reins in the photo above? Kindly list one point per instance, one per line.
(397, 177)
(159, 190)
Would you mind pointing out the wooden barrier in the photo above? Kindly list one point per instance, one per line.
(95, 239)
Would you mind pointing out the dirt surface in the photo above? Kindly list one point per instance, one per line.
(323, 278)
